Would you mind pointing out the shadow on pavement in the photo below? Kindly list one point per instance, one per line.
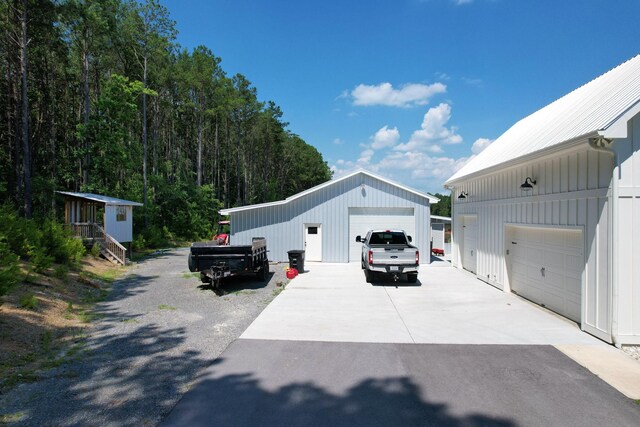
(240, 399)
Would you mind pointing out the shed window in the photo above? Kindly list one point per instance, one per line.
(312, 230)
(121, 213)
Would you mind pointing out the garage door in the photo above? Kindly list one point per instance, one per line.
(362, 220)
(547, 266)
(469, 243)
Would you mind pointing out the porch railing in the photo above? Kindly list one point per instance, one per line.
(109, 246)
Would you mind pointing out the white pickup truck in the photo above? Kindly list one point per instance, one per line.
(389, 252)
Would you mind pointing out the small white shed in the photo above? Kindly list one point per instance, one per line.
(88, 214)
(551, 209)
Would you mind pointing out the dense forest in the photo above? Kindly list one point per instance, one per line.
(97, 96)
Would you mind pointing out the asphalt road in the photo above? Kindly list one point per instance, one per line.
(159, 328)
(303, 383)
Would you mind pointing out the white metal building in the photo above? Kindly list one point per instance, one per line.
(325, 220)
(551, 209)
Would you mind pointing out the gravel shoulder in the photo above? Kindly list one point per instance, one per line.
(156, 332)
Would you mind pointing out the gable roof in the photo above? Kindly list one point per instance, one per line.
(102, 199)
(290, 199)
(601, 107)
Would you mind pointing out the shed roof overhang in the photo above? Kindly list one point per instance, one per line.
(112, 201)
(429, 197)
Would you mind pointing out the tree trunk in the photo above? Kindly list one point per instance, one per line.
(26, 157)
(144, 142)
(86, 110)
(199, 166)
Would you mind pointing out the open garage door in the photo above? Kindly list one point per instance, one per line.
(547, 266)
(362, 220)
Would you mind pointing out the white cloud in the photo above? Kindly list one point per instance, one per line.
(433, 132)
(411, 94)
(385, 137)
(461, 2)
(338, 141)
(365, 157)
(480, 144)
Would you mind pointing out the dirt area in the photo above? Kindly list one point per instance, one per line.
(43, 319)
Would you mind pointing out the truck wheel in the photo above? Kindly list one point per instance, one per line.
(368, 275)
(412, 278)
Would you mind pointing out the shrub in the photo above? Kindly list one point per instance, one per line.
(40, 260)
(95, 250)
(61, 272)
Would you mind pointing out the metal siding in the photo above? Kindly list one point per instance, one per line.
(627, 255)
(119, 230)
(329, 207)
(547, 204)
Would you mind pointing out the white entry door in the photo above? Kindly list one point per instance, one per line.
(313, 242)
(469, 243)
(547, 266)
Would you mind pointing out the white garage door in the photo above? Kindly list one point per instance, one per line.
(547, 266)
(362, 220)
(469, 243)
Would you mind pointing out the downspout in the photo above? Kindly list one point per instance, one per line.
(603, 145)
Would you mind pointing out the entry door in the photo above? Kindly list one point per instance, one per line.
(547, 266)
(470, 243)
(313, 242)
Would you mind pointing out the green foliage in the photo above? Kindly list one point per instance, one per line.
(119, 109)
(28, 301)
(443, 207)
(95, 250)
(9, 269)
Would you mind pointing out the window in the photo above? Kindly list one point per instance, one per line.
(312, 230)
(388, 238)
(121, 213)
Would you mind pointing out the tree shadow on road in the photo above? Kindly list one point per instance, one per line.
(241, 399)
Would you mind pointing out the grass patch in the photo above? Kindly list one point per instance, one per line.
(95, 297)
(191, 275)
(19, 377)
(638, 402)
(88, 316)
(28, 302)
(130, 320)
(166, 307)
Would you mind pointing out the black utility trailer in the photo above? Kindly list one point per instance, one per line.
(215, 262)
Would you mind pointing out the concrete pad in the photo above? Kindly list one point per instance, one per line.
(333, 302)
(610, 364)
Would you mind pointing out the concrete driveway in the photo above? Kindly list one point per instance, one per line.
(333, 302)
(332, 349)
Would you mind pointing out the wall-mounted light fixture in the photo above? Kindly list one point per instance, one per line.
(528, 184)
(463, 195)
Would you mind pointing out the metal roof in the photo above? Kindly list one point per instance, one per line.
(102, 199)
(432, 199)
(441, 218)
(600, 107)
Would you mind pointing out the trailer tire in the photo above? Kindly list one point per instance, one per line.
(204, 278)
(263, 274)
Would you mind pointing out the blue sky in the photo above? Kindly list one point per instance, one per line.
(410, 89)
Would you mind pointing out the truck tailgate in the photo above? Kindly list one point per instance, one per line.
(394, 256)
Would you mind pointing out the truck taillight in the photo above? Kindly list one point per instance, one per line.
(417, 257)
(370, 257)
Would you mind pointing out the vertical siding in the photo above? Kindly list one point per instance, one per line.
(283, 225)
(571, 190)
(627, 251)
(122, 231)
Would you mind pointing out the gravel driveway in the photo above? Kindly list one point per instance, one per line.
(158, 329)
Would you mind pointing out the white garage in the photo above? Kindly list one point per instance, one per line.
(325, 220)
(551, 209)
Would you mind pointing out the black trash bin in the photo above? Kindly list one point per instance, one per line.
(296, 260)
